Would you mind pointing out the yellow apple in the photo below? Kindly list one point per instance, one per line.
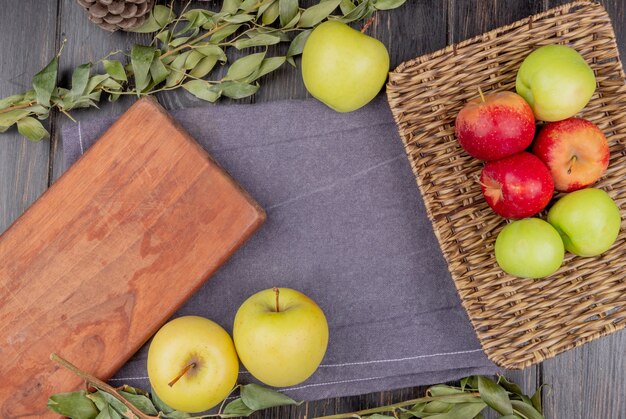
(281, 336)
(343, 67)
(192, 364)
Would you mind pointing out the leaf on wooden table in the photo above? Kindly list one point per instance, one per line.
(193, 59)
(202, 90)
(287, 10)
(141, 402)
(32, 129)
(235, 409)
(297, 45)
(223, 33)
(461, 411)
(231, 6)
(388, 4)
(160, 17)
(242, 18)
(158, 71)
(495, 396)
(244, 66)
(346, 6)
(237, 90)
(44, 82)
(141, 58)
(115, 69)
(204, 67)
(315, 14)
(267, 66)
(527, 410)
(257, 41)
(257, 397)
(271, 14)
(74, 404)
(108, 413)
(80, 78)
(7, 119)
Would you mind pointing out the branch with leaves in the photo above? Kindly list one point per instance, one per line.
(184, 51)
(467, 401)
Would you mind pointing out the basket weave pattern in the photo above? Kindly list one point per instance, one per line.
(518, 321)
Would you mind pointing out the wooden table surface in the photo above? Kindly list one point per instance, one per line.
(587, 382)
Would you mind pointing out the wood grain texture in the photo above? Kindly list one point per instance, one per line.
(110, 252)
(587, 381)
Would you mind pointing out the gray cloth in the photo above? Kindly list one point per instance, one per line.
(346, 226)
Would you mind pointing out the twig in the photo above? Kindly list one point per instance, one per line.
(368, 23)
(195, 41)
(13, 108)
(393, 407)
(99, 384)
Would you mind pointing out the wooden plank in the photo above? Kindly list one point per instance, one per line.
(95, 279)
(28, 43)
(588, 382)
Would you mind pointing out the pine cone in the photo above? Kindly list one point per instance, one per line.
(112, 15)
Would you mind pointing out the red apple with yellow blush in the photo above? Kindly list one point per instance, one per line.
(495, 126)
(576, 152)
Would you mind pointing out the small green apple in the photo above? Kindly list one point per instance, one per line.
(529, 248)
(556, 81)
(192, 364)
(588, 220)
(342, 67)
(281, 336)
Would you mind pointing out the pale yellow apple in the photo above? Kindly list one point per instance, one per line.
(280, 338)
(342, 67)
(192, 364)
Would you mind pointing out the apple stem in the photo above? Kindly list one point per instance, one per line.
(571, 164)
(277, 291)
(368, 23)
(180, 375)
(482, 96)
(99, 384)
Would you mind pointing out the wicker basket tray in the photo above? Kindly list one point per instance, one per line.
(519, 322)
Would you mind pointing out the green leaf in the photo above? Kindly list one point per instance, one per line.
(160, 17)
(158, 71)
(98, 400)
(461, 411)
(11, 101)
(202, 90)
(209, 50)
(388, 4)
(293, 22)
(119, 407)
(297, 45)
(7, 119)
(271, 14)
(193, 59)
(108, 413)
(256, 41)
(536, 399)
(141, 58)
(267, 66)
(257, 397)
(510, 386)
(236, 408)
(346, 6)
(242, 18)
(379, 416)
(141, 402)
(180, 60)
(494, 395)
(32, 129)
(509, 417)
(197, 17)
(237, 90)
(437, 406)
(231, 6)
(315, 14)
(204, 67)
(160, 404)
(357, 13)
(444, 390)
(115, 69)
(44, 82)
(287, 10)
(526, 410)
(223, 33)
(244, 66)
(75, 405)
(164, 36)
(80, 78)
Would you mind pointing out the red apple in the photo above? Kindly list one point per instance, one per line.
(576, 152)
(495, 126)
(517, 186)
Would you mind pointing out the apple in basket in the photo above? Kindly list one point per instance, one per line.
(556, 81)
(576, 152)
(588, 221)
(517, 186)
(495, 126)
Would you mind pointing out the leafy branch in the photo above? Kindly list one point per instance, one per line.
(468, 400)
(184, 51)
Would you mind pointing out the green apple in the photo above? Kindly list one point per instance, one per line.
(588, 220)
(529, 248)
(342, 67)
(556, 82)
(281, 336)
(192, 364)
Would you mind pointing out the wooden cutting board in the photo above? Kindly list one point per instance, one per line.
(109, 252)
